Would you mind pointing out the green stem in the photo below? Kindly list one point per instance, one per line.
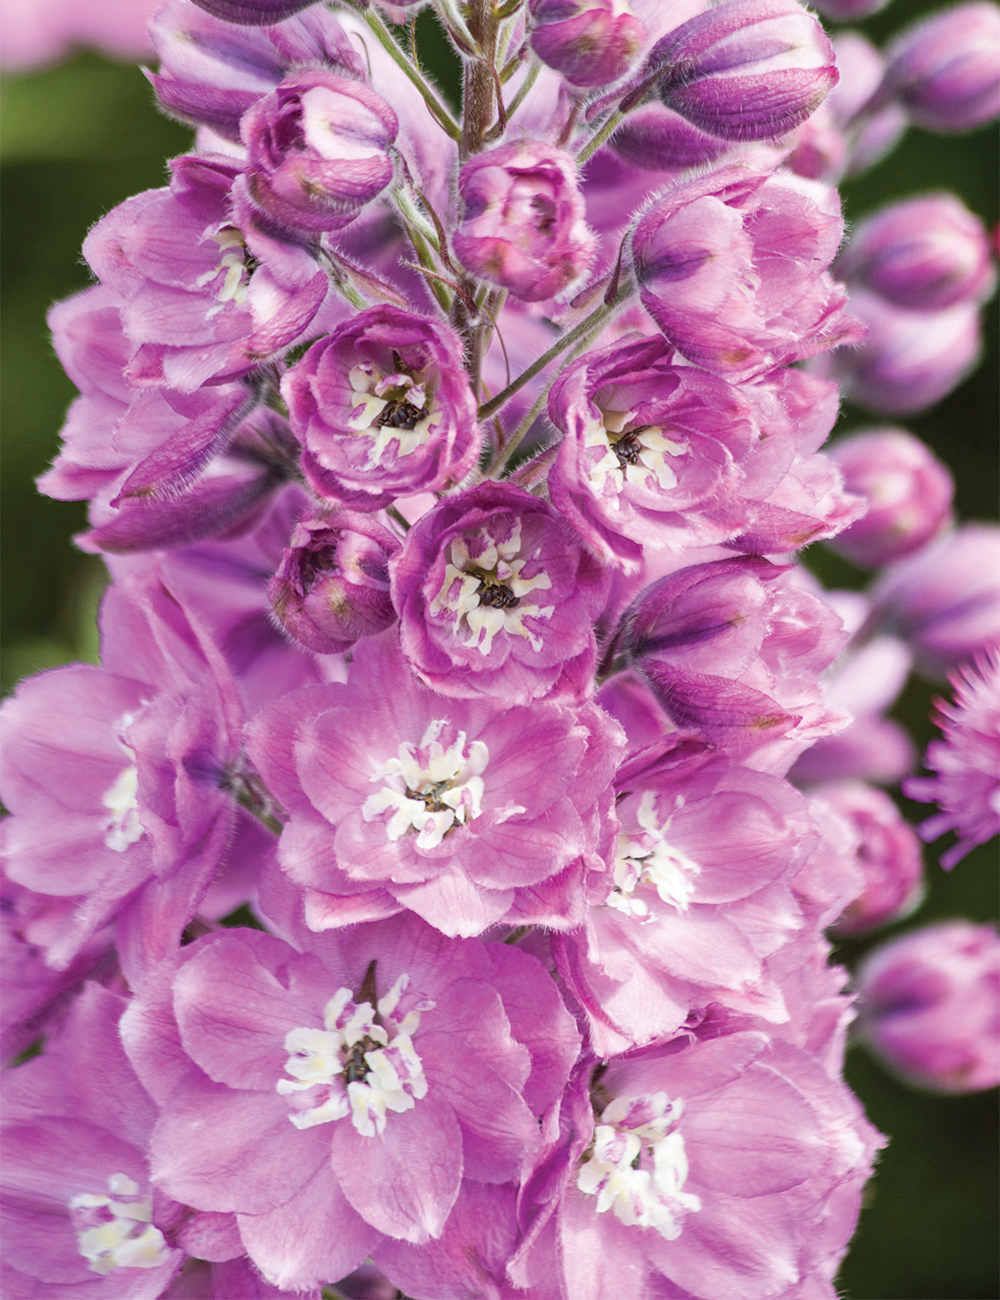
(504, 454)
(595, 142)
(386, 39)
(581, 332)
(519, 98)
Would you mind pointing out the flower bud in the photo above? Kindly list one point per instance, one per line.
(946, 69)
(317, 149)
(745, 70)
(945, 600)
(909, 359)
(591, 42)
(930, 1006)
(655, 138)
(888, 854)
(332, 586)
(524, 224)
(926, 253)
(908, 492)
(253, 13)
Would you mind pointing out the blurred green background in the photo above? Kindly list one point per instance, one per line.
(79, 138)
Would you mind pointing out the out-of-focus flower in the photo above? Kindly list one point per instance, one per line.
(37, 32)
(945, 600)
(909, 359)
(523, 226)
(929, 1006)
(946, 68)
(926, 253)
(888, 853)
(907, 489)
(967, 761)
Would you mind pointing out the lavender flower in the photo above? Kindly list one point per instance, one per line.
(591, 42)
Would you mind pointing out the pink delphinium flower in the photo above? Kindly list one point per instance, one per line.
(929, 1006)
(732, 266)
(464, 811)
(383, 407)
(497, 597)
(390, 1063)
(590, 42)
(966, 788)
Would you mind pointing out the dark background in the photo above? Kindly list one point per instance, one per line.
(78, 139)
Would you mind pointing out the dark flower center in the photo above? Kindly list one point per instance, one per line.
(400, 414)
(497, 595)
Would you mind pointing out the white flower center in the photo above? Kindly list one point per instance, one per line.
(637, 1165)
(428, 788)
(649, 859)
(399, 408)
(637, 456)
(116, 1231)
(361, 1063)
(486, 592)
(234, 267)
(123, 827)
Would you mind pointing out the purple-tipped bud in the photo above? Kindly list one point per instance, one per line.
(524, 224)
(909, 359)
(946, 69)
(888, 854)
(926, 253)
(930, 1006)
(318, 150)
(908, 492)
(332, 586)
(657, 139)
(731, 266)
(745, 70)
(591, 42)
(945, 600)
(253, 13)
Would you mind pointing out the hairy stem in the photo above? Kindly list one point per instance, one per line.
(386, 39)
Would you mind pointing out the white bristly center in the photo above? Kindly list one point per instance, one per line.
(234, 268)
(638, 456)
(399, 408)
(123, 827)
(637, 1164)
(428, 788)
(486, 592)
(116, 1231)
(361, 1063)
(649, 859)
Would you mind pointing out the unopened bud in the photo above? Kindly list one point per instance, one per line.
(745, 70)
(929, 1006)
(524, 224)
(591, 42)
(253, 13)
(317, 150)
(907, 489)
(332, 586)
(946, 69)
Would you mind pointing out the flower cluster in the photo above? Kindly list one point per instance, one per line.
(433, 876)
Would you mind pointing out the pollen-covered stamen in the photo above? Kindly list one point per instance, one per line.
(430, 788)
(362, 1063)
(399, 407)
(637, 1164)
(648, 858)
(631, 453)
(486, 590)
(116, 1231)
